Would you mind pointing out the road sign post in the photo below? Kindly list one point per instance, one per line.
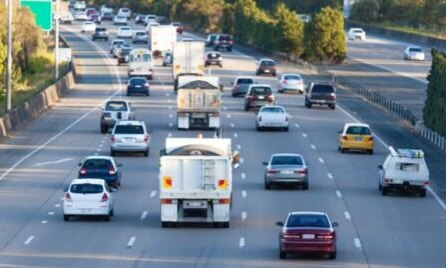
(43, 12)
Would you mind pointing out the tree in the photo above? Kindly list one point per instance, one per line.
(290, 31)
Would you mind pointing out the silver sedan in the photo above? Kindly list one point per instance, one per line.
(286, 169)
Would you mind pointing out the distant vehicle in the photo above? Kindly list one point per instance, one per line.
(119, 20)
(266, 66)
(272, 117)
(150, 18)
(140, 19)
(80, 16)
(140, 37)
(80, 6)
(305, 231)
(187, 60)
(141, 63)
(66, 18)
(414, 53)
(213, 58)
(356, 33)
(168, 59)
(320, 94)
(88, 197)
(162, 20)
(125, 12)
(115, 42)
(88, 26)
(117, 49)
(124, 32)
(259, 95)
(90, 11)
(223, 41)
(113, 111)
(100, 33)
(286, 169)
(210, 39)
(291, 83)
(138, 85)
(178, 26)
(404, 170)
(304, 17)
(162, 39)
(107, 16)
(150, 25)
(101, 167)
(241, 85)
(356, 136)
(124, 54)
(130, 136)
(105, 9)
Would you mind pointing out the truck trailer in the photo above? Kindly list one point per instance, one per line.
(188, 60)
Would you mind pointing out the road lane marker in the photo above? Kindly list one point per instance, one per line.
(101, 145)
(143, 215)
(321, 160)
(29, 240)
(244, 194)
(235, 135)
(347, 215)
(305, 135)
(242, 160)
(167, 94)
(243, 175)
(98, 150)
(232, 125)
(57, 205)
(297, 125)
(153, 194)
(239, 147)
(53, 162)
(313, 147)
(51, 213)
(170, 124)
(228, 116)
(225, 108)
(170, 115)
(103, 141)
(329, 175)
(131, 242)
(169, 101)
(244, 215)
(236, 165)
(170, 107)
(242, 242)
(358, 243)
(338, 193)
(44, 222)
(170, 134)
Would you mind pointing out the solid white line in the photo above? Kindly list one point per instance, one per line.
(297, 125)
(143, 215)
(44, 222)
(232, 125)
(244, 194)
(305, 135)
(242, 242)
(338, 193)
(29, 240)
(244, 215)
(347, 215)
(51, 213)
(153, 194)
(131, 242)
(103, 141)
(53, 162)
(243, 175)
(167, 94)
(239, 147)
(235, 135)
(330, 176)
(321, 160)
(313, 147)
(358, 243)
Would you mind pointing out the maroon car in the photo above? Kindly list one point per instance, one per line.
(307, 232)
(259, 95)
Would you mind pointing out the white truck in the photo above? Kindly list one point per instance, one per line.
(188, 59)
(141, 63)
(162, 39)
(404, 170)
(196, 181)
(198, 102)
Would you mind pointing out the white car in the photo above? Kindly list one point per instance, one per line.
(291, 82)
(80, 5)
(414, 53)
(273, 116)
(356, 33)
(66, 18)
(151, 24)
(150, 18)
(140, 37)
(88, 197)
(105, 9)
(119, 20)
(124, 32)
(119, 48)
(88, 26)
(81, 15)
(114, 43)
(130, 136)
(125, 12)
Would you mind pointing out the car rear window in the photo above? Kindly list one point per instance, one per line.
(213, 55)
(140, 33)
(98, 164)
(358, 130)
(86, 188)
(286, 160)
(116, 106)
(267, 63)
(137, 81)
(415, 49)
(292, 77)
(260, 91)
(129, 129)
(308, 221)
(323, 89)
(245, 81)
(101, 29)
(273, 110)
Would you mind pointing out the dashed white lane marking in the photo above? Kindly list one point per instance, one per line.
(170, 124)
(321, 160)
(105, 138)
(57, 205)
(170, 115)
(237, 165)
(170, 134)
(98, 150)
(27, 241)
(51, 213)
(338, 193)
(235, 135)
(358, 243)
(347, 215)
(153, 194)
(103, 141)
(232, 125)
(330, 176)
(239, 147)
(44, 222)
(225, 108)
(297, 125)
(167, 94)
(242, 160)
(244, 215)
(305, 135)
(242, 242)
(244, 194)
(243, 175)
(143, 215)
(169, 101)
(228, 116)
(170, 108)
(313, 147)
(131, 242)
(101, 145)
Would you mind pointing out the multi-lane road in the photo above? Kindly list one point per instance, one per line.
(374, 231)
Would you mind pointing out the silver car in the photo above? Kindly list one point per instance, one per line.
(286, 169)
(140, 37)
(130, 136)
(113, 111)
(292, 83)
(414, 53)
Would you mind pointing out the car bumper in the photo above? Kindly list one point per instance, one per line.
(213, 62)
(357, 145)
(258, 104)
(308, 246)
(284, 178)
(137, 90)
(272, 124)
(79, 210)
(266, 71)
(137, 147)
(239, 91)
(297, 88)
(404, 186)
(322, 102)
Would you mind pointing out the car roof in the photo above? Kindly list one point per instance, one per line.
(88, 180)
(130, 122)
(355, 29)
(414, 47)
(308, 213)
(125, 101)
(273, 106)
(356, 125)
(267, 59)
(260, 85)
(286, 154)
(99, 157)
(118, 40)
(285, 74)
(244, 77)
(213, 52)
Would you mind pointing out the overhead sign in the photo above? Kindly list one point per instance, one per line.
(43, 12)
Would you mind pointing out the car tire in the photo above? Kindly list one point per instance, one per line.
(332, 106)
(112, 153)
(229, 49)
(384, 190)
(423, 193)
(107, 217)
(66, 217)
(268, 185)
(221, 65)
(246, 108)
(104, 129)
(282, 254)
(150, 77)
(332, 255)
(286, 129)
(305, 186)
(309, 105)
(343, 150)
(371, 151)
(258, 128)
(112, 213)
(146, 153)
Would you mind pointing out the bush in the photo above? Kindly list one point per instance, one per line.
(40, 63)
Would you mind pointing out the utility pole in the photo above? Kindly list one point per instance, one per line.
(9, 61)
(56, 47)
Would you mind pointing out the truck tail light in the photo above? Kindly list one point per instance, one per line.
(224, 201)
(166, 201)
(370, 138)
(167, 182)
(104, 198)
(222, 183)
(68, 197)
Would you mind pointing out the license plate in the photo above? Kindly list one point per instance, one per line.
(130, 139)
(266, 71)
(358, 139)
(137, 86)
(261, 97)
(199, 115)
(286, 172)
(308, 236)
(398, 181)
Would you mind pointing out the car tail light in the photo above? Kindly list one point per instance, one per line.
(113, 138)
(111, 171)
(388, 180)
(285, 82)
(250, 97)
(370, 138)
(231, 42)
(271, 97)
(325, 236)
(345, 137)
(426, 183)
(166, 201)
(68, 197)
(237, 86)
(83, 171)
(104, 198)
(146, 138)
(146, 85)
(272, 171)
(224, 201)
(301, 171)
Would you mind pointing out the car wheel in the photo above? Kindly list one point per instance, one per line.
(305, 186)
(286, 129)
(112, 153)
(343, 150)
(309, 105)
(423, 193)
(104, 129)
(332, 106)
(246, 108)
(332, 255)
(146, 153)
(107, 217)
(282, 254)
(66, 217)
(112, 213)
(380, 187)
(384, 190)
(128, 94)
(371, 151)
(150, 77)
(230, 49)
(267, 185)
(221, 65)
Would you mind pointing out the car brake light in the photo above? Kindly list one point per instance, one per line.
(237, 86)
(231, 42)
(68, 197)
(111, 171)
(83, 171)
(113, 138)
(388, 180)
(285, 82)
(426, 183)
(370, 138)
(271, 97)
(104, 197)
(166, 201)
(272, 171)
(146, 137)
(345, 137)
(301, 171)
(327, 236)
(286, 118)
(250, 97)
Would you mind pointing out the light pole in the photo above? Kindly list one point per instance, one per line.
(9, 61)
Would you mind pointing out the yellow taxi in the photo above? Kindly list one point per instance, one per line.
(356, 136)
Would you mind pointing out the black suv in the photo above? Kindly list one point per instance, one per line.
(321, 94)
(100, 33)
(223, 41)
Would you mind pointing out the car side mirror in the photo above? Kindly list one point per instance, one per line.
(65, 189)
(119, 165)
(380, 167)
(163, 152)
(79, 164)
(235, 157)
(334, 224)
(339, 131)
(265, 163)
(279, 223)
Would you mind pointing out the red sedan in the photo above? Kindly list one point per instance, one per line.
(310, 232)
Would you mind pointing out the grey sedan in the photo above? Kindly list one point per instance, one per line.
(286, 169)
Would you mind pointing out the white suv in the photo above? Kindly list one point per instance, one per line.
(125, 12)
(130, 136)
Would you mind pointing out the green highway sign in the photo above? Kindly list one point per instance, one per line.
(43, 12)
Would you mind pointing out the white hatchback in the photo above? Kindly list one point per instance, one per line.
(81, 15)
(88, 197)
(125, 12)
(88, 26)
(356, 33)
(272, 117)
(119, 20)
(291, 82)
(124, 32)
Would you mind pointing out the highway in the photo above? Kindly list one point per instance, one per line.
(374, 231)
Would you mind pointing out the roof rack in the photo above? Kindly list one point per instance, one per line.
(408, 153)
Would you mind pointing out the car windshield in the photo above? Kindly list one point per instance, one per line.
(176, 23)
(292, 77)
(98, 164)
(273, 110)
(260, 91)
(125, 29)
(415, 49)
(308, 221)
(116, 106)
(323, 89)
(287, 160)
(126, 51)
(129, 129)
(86, 188)
(357, 130)
(267, 63)
(245, 81)
(101, 30)
(121, 18)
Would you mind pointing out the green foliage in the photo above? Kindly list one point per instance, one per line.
(307, 7)
(290, 31)
(434, 112)
(325, 37)
(40, 62)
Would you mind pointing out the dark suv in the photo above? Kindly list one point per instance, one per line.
(321, 94)
(258, 96)
(223, 41)
(100, 33)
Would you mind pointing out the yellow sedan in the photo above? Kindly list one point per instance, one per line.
(356, 136)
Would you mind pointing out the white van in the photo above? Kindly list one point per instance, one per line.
(404, 170)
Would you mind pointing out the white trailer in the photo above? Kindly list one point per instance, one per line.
(198, 102)
(141, 63)
(162, 39)
(196, 181)
(188, 59)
